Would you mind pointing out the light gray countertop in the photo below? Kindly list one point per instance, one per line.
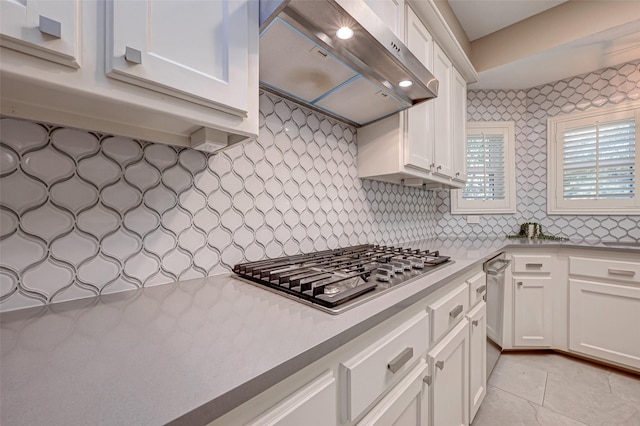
(188, 353)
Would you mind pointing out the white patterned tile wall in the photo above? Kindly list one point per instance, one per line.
(530, 109)
(84, 213)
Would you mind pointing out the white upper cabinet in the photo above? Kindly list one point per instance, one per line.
(459, 126)
(46, 29)
(391, 12)
(418, 143)
(156, 70)
(443, 153)
(191, 49)
(424, 145)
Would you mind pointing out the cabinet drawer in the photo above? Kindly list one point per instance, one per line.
(531, 263)
(477, 288)
(602, 268)
(368, 374)
(448, 310)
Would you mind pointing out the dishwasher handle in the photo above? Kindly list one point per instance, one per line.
(495, 271)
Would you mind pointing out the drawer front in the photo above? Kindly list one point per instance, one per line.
(531, 263)
(368, 374)
(601, 268)
(477, 288)
(448, 310)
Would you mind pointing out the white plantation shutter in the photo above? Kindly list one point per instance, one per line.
(485, 168)
(599, 161)
(490, 156)
(593, 162)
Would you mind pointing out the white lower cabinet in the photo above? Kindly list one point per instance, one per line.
(532, 311)
(477, 357)
(373, 370)
(313, 405)
(603, 321)
(405, 405)
(449, 364)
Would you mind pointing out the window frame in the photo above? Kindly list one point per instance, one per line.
(556, 204)
(508, 205)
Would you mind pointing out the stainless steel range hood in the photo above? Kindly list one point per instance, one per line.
(355, 80)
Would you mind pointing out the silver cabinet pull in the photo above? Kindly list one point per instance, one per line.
(438, 168)
(533, 265)
(474, 322)
(427, 379)
(624, 272)
(50, 27)
(133, 55)
(481, 288)
(455, 311)
(440, 364)
(519, 283)
(398, 362)
(457, 174)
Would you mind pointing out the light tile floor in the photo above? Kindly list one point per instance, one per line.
(547, 388)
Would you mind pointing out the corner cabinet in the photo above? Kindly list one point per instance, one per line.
(532, 311)
(604, 309)
(156, 70)
(424, 145)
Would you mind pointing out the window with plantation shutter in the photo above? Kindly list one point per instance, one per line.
(593, 162)
(490, 156)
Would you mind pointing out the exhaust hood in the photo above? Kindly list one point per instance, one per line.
(358, 80)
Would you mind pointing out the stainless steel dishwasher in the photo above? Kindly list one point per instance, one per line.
(494, 268)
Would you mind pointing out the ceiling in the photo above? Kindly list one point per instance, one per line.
(482, 17)
(518, 44)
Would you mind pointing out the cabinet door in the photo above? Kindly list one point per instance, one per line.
(407, 404)
(191, 49)
(532, 310)
(477, 357)
(420, 132)
(603, 321)
(449, 363)
(391, 12)
(443, 143)
(47, 29)
(313, 405)
(459, 126)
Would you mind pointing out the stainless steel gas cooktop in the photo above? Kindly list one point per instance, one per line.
(337, 280)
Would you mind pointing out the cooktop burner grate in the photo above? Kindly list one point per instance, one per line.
(332, 278)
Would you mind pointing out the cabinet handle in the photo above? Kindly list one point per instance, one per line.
(457, 174)
(133, 55)
(474, 322)
(440, 365)
(427, 379)
(399, 361)
(50, 27)
(519, 283)
(533, 265)
(624, 272)
(455, 311)
(481, 288)
(438, 168)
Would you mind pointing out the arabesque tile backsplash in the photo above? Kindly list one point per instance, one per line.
(530, 109)
(84, 213)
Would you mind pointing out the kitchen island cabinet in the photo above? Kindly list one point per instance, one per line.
(126, 68)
